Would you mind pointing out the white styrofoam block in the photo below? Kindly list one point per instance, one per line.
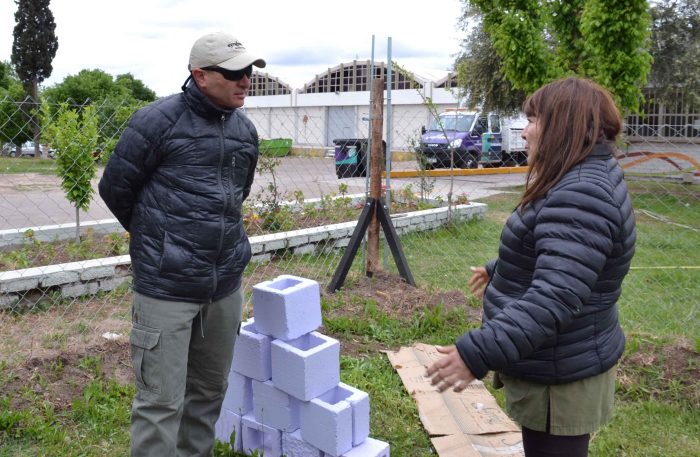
(239, 394)
(293, 445)
(369, 448)
(287, 307)
(326, 421)
(261, 437)
(307, 366)
(229, 422)
(275, 408)
(251, 354)
(359, 401)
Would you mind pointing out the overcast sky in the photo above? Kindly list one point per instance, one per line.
(151, 39)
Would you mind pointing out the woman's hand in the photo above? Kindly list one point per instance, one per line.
(477, 283)
(450, 371)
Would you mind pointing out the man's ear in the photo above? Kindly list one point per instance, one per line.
(198, 76)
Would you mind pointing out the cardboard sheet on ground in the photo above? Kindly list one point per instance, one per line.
(465, 424)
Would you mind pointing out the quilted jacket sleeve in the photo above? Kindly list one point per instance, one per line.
(251, 170)
(573, 233)
(134, 159)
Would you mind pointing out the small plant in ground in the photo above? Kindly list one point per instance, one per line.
(38, 253)
(274, 216)
(299, 198)
(55, 340)
(92, 365)
(462, 199)
(407, 195)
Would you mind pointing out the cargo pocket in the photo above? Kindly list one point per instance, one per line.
(145, 355)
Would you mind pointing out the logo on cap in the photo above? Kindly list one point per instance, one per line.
(235, 44)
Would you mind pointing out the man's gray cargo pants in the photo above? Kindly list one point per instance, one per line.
(181, 355)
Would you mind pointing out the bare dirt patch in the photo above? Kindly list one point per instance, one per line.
(396, 298)
(60, 379)
(673, 368)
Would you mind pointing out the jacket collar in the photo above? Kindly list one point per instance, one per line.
(602, 150)
(200, 103)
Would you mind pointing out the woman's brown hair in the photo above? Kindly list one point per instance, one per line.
(573, 114)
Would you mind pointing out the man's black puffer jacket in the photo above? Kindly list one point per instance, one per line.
(550, 308)
(176, 182)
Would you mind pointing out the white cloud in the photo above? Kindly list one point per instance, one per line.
(151, 38)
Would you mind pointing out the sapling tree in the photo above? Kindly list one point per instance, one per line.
(74, 135)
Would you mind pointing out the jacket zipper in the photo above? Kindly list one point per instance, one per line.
(222, 224)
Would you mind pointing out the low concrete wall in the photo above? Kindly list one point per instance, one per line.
(59, 232)
(25, 287)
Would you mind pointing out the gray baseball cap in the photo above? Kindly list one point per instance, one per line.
(223, 50)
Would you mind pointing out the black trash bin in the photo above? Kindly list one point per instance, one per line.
(351, 157)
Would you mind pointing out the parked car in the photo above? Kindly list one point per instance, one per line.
(463, 132)
(28, 150)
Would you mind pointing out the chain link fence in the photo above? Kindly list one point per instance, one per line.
(73, 265)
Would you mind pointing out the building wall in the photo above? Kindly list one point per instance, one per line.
(308, 119)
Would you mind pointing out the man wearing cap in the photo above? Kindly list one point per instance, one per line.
(176, 182)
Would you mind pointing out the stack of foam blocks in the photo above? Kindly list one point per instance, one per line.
(284, 396)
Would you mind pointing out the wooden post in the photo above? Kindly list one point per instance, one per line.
(375, 182)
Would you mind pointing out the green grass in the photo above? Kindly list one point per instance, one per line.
(656, 414)
(97, 424)
(27, 165)
(650, 428)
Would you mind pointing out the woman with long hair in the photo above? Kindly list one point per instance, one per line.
(550, 328)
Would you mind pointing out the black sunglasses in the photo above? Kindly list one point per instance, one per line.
(232, 75)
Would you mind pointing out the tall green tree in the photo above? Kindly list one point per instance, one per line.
(480, 75)
(537, 42)
(675, 45)
(33, 49)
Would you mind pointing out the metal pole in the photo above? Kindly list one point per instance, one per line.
(389, 130)
(370, 77)
(369, 135)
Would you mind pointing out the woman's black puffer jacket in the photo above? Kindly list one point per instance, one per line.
(550, 308)
(176, 182)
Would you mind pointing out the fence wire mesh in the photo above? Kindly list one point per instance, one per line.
(303, 208)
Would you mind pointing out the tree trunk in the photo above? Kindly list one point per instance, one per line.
(36, 128)
(77, 225)
(375, 186)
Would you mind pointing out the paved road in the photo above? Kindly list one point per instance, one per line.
(29, 200)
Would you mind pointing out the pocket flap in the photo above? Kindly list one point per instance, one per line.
(143, 338)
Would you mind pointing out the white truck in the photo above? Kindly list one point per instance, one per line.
(514, 153)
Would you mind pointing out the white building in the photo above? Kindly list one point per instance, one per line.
(336, 104)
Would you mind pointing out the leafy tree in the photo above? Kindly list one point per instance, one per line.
(5, 75)
(538, 42)
(114, 100)
(33, 49)
(14, 128)
(74, 135)
(675, 45)
(93, 86)
(86, 87)
(480, 75)
(135, 87)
